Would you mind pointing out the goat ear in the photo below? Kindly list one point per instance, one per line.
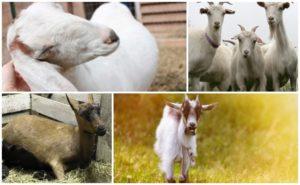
(46, 52)
(285, 5)
(203, 10)
(209, 106)
(228, 11)
(262, 4)
(172, 105)
(73, 103)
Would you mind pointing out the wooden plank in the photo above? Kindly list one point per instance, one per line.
(78, 9)
(15, 103)
(164, 18)
(7, 118)
(162, 8)
(165, 27)
(6, 20)
(53, 109)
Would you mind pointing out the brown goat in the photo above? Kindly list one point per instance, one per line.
(61, 146)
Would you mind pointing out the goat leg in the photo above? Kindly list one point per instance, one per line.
(58, 169)
(293, 81)
(185, 164)
(169, 170)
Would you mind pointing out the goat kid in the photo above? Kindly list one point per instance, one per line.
(248, 70)
(280, 56)
(44, 41)
(50, 143)
(176, 136)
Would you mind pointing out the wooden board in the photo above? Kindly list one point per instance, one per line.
(159, 8)
(53, 109)
(15, 103)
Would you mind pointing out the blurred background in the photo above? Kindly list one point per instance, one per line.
(247, 138)
(248, 14)
(165, 20)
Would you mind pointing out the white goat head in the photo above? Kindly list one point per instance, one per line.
(190, 111)
(215, 14)
(45, 32)
(247, 41)
(274, 11)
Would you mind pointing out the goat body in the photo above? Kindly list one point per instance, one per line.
(52, 143)
(131, 67)
(172, 144)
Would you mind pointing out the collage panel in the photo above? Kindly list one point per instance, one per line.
(205, 138)
(243, 46)
(94, 46)
(56, 138)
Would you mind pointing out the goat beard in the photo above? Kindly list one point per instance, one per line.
(190, 131)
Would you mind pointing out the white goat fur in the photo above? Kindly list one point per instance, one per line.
(248, 73)
(69, 40)
(280, 56)
(131, 67)
(170, 139)
(201, 53)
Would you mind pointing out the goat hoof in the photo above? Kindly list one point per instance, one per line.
(171, 180)
(183, 179)
(42, 175)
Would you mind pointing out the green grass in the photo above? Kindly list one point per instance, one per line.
(96, 172)
(247, 138)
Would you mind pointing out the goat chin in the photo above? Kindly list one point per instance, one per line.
(131, 67)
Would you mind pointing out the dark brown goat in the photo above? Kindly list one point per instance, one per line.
(61, 146)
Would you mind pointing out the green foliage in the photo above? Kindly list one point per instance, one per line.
(247, 138)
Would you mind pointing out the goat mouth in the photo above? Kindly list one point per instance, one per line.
(190, 130)
(100, 131)
(216, 27)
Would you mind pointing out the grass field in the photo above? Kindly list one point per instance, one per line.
(247, 138)
(96, 172)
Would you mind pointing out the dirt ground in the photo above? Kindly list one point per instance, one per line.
(171, 72)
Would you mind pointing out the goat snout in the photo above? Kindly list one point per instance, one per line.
(217, 24)
(271, 19)
(100, 131)
(193, 125)
(112, 38)
(246, 53)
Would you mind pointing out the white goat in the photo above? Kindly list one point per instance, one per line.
(248, 70)
(280, 56)
(176, 136)
(45, 40)
(131, 67)
(203, 44)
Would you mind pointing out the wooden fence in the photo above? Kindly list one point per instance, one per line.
(56, 107)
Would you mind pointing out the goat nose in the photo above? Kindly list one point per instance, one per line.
(246, 52)
(100, 131)
(113, 37)
(217, 23)
(192, 124)
(271, 18)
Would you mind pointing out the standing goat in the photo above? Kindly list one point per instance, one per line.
(55, 144)
(248, 62)
(280, 56)
(203, 44)
(44, 41)
(176, 136)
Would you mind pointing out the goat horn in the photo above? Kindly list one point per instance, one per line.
(210, 3)
(254, 28)
(197, 98)
(242, 27)
(186, 97)
(90, 98)
(221, 3)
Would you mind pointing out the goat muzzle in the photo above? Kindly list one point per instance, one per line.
(100, 131)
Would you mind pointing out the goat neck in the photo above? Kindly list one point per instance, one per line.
(279, 35)
(87, 142)
(184, 139)
(214, 35)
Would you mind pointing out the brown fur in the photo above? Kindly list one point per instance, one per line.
(61, 146)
